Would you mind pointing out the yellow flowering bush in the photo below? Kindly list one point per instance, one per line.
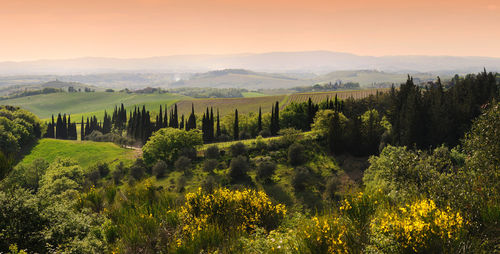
(326, 235)
(418, 227)
(230, 210)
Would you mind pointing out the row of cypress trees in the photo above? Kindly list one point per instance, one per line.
(62, 128)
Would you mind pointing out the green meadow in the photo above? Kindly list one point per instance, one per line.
(85, 153)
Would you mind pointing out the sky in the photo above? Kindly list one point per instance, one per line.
(57, 29)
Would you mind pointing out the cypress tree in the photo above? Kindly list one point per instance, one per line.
(64, 128)
(176, 119)
(59, 127)
(236, 130)
(159, 121)
(259, 121)
(165, 118)
(272, 125)
(181, 125)
(211, 124)
(191, 123)
(82, 130)
(277, 117)
(218, 124)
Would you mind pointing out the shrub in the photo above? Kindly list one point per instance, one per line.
(212, 152)
(296, 155)
(418, 227)
(118, 173)
(183, 164)
(325, 235)
(93, 175)
(238, 169)
(301, 178)
(209, 165)
(209, 184)
(289, 136)
(167, 144)
(138, 170)
(103, 168)
(230, 211)
(238, 149)
(160, 168)
(266, 170)
(189, 152)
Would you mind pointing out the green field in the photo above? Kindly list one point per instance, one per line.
(90, 104)
(253, 94)
(85, 153)
(76, 103)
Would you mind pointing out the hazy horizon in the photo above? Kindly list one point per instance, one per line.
(56, 29)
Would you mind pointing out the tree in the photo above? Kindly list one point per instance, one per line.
(238, 149)
(259, 121)
(296, 155)
(159, 169)
(238, 169)
(265, 171)
(209, 165)
(236, 129)
(138, 169)
(166, 144)
(183, 164)
(212, 152)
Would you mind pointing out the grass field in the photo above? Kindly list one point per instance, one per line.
(85, 153)
(253, 94)
(76, 103)
(89, 104)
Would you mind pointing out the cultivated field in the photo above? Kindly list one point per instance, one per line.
(321, 96)
(76, 103)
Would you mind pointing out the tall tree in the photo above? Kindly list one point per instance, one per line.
(259, 121)
(236, 129)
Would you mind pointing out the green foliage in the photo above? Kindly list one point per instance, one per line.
(238, 149)
(212, 152)
(62, 179)
(238, 169)
(183, 164)
(159, 169)
(166, 144)
(296, 154)
(265, 171)
(209, 165)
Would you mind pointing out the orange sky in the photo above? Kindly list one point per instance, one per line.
(34, 29)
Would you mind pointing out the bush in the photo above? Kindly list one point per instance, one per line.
(296, 155)
(118, 173)
(238, 169)
(183, 164)
(103, 168)
(169, 143)
(230, 211)
(93, 175)
(159, 169)
(419, 227)
(238, 149)
(301, 178)
(138, 170)
(209, 165)
(209, 184)
(289, 136)
(212, 152)
(265, 171)
(189, 152)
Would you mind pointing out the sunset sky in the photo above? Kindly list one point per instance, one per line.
(54, 29)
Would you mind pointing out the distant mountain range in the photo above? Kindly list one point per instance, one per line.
(319, 62)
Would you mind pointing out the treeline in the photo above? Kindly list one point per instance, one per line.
(18, 130)
(62, 128)
(26, 92)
